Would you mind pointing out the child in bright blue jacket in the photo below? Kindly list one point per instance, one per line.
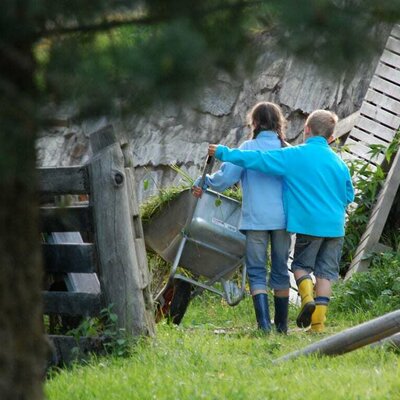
(262, 219)
(317, 189)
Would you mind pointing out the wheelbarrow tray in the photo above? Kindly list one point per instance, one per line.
(214, 246)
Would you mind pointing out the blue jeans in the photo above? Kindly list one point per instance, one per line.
(318, 255)
(256, 259)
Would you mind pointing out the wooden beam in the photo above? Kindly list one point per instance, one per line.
(379, 115)
(362, 150)
(379, 213)
(367, 138)
(120, 274)
(64, 180)
(384, 102)
(376, 129)
(391, 341)
(352, 338)
(66, 219)
(69, 257)
(102, 138)
(393, 44)
(395, 31)
(387, 88)
(345, 125)
(72, 303)
(389, 73)
(390, 58)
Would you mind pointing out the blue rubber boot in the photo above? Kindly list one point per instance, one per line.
(260, 302)
(281, 314)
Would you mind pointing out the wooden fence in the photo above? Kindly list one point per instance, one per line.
(113, 247)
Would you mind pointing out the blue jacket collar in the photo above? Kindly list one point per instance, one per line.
(266, 134)
(317, 140)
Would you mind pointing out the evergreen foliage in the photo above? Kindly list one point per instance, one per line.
(114, 56)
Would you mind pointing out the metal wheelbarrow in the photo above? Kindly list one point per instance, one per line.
(202, 237)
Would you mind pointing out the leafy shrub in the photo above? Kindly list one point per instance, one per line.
(367, 184)
(115, 340)
(376, 291)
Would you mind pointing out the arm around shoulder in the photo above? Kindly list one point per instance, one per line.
(270, 162)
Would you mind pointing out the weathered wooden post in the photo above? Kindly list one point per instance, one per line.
(137, 230)
(352, 338)
(393, 341)
(121, 275)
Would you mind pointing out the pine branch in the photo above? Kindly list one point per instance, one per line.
(112, 23)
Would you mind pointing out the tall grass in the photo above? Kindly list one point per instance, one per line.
(217, 353)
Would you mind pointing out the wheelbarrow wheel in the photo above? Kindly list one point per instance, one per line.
(180, 301)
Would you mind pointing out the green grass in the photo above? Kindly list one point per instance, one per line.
(218, 354)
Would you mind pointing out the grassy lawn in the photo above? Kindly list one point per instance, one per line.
(217, 353)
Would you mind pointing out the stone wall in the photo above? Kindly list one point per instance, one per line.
(173, 134)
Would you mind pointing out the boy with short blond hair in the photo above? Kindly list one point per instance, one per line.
(317, 189)
(322, 123)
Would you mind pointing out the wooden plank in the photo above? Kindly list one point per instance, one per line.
(374, 213)
(345, 125)
(379, 115)
(377, 222)
(375, 209)
(388, 88)
(383, 101)
(389, 73)
(64, 180)
(363, 151)
(364, 245)
(356, 261)
(131, 188)
(367, 137)
(66, 219)
(141, 257)
(376, 129)
(390, 58)
(393, 44)
(69, 257)
(120, 277)
(70, 303)
(360, 248)
(392, 183)
(395, 31)
(347, 156)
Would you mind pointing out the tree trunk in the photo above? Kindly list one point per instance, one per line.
(22, 350)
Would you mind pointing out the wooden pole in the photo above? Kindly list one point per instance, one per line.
(119, 273)
(392, 341)
(138, 236)
(351, 339)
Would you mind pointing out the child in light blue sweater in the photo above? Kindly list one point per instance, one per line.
(263, 219)
(317, 189)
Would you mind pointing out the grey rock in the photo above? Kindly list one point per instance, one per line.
(172, 134)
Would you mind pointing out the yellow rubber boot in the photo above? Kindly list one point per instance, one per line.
(318, 318)
(306, 288)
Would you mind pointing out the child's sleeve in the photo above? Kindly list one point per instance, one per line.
(349, 188)
(226, 176)
(270, 162)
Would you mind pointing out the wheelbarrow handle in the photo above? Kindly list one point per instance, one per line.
(207, 169)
